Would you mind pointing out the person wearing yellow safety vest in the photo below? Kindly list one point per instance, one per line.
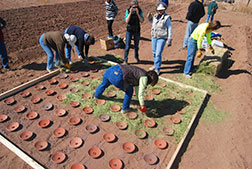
(195, 42)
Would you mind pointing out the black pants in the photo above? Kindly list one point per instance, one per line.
(110, 22)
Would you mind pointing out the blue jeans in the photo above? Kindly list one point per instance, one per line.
(127, 45)
(3, 54)
(69, 48)
(189, 29)
(157, 49)
(49, 53)
(191, 52)
(208, 17)
(114, 76)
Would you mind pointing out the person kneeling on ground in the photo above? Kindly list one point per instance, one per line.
(83, 40)
(195, 42)
(57, 41)
(125, 77)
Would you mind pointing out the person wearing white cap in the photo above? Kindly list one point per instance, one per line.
(212, 7)
(161, 33)
(83, 40)
(57, 41)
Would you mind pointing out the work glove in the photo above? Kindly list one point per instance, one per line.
(169, 43)
(198, 54)
(68, 66)
(143, 109)
(211, 49)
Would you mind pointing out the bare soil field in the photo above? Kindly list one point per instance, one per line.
(225, 144)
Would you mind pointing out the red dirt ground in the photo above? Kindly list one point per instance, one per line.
(212, 145)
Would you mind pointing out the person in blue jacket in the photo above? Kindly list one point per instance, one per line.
(3, 51)
(84, 40)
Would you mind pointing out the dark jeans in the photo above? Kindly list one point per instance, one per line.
(3, 54)
(110, 23)
(127, 45)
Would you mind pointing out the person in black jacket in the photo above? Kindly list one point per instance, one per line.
(83, 40)
(195, 12)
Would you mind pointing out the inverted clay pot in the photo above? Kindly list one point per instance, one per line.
(74, 103)
(60, 112)
(132, 115)
(26, 135)
(140, 133)
(91, 62)
(91, 128)
(3, 118)
(40, 87)
(41, 145)
(189, 102)
(47, 106)
(52, 81)
(115, 163)
(104, 117)
(88, 110)
(74, 79)
(162, 84)
(85, 83)
(172, 96)
(175, 119)
(13, 126)
(58, 157)
(59, 132)
(74, 71)
(25, 94)
(115, 108)
(150, 159)
(84, 74)
(160, 143)
(31, 115)
(100, 101)
(49, 92)
(63, 76)
(148, 97)
(149, 123)
(61, 97)
(35, 100)
(109, 137)
(9, 101)
(111, 94)
(63, 85)
(94, 152)
(75, 142)
(74, 120)
(94, 70)
(182, 111)
(94, 77)
(122, 125)
(77, 166)
(168, 131)
(44, 123)
(86, 96)
(19, 109)
(155, 91)
(74, 90)
(129, 147)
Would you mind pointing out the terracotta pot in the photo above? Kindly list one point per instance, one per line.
(160, 143)
(104, 117)
(150, 159)
(175, 119)
(91, 128)
(111, 94)
(102, 73)
(155, 91)
(58, 157)
(74, 120)
(149, 123)
(40, 87)
(13, 126)
(115, 108)
(63, 85)
(60, 112)
(49, 92)
(74, 103)
(59, 132)
(100, 101)
(52, 81)
(94, 152)
(122, 125)
(75, 142)
(74, 90)
(85, 83)
(148, 97)
(94, 70)
(172, 96)
(168, 131)
(41, 145)
(94, 77)
(25, 94)
(74, 79)
(162, 84)
(75, 71)
(86, 96)
(91, 62)
(129, 147)
(88, 110)
(44, 123)
(115, 163)
(31, 115)
(84, 74)
(26, 135)
(61, 97)
(189, 102)
(109, 137)
(132, 115)
(77, 166)
(63, 76)
(182, 111)
(35, 100)
(47, 106)
(9, 101)
(3, 118)
(19, 109)
(140, 133)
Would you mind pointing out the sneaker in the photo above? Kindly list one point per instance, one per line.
(158, 72)
(152, 68)
(70, 62)
(79, 56)
(57, 65)
(124, 111)
(49, 70)
(7, 67)
(125, 62)
(188, 76)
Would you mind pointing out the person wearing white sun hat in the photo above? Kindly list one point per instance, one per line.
(161, 33)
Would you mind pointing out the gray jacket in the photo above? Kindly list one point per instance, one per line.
(161, 26)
